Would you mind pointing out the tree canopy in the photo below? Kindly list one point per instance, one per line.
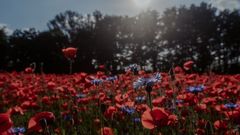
(155, 41)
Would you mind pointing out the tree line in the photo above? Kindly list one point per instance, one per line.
(152, 40)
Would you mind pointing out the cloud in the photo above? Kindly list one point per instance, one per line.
(226, 4)
(6, 29)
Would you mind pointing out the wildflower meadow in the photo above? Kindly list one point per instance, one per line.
(136, 102)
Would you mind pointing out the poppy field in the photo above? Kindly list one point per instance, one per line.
(132, 103)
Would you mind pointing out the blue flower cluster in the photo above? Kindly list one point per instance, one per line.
(128, 110)
(147, 81)
(132, 67)
(179, 101)
(111, 78)
(18, 130)
(231, 105)
(140, 99)
(68, 117)
(97, 81)
(81, 95)
(136, 120)
(100, 81)
(195, 89)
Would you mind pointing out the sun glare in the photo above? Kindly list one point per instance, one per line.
(142, 3)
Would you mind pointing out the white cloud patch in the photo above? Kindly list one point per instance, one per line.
(6, 29)
(226, 4)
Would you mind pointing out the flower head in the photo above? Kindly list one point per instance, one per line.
(40, 120)
(70, 52)
(136, 120)
(133, 68)
(97, 81)
(179, 101)
(188, 65)
(106, 131)
(157, 117)
(139, 83)
(5, 122)
(220, 125)
(17, 130)
(68, 117)
(140, 99)
(81, 95)
(195, 89)
(231, 105)
(112, 78)
(149, 82)
(29, 70)
(128, 110)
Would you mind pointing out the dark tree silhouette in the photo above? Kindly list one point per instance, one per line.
(187, 33)
(3, 42)
(22, 44)
(156, 42)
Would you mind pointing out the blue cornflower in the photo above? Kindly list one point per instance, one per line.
(112, 78)
(68, 117)
(132, 67)
(97, 81)
(140, 99)
(81, 95)
(18, 130)
(139, 83)
(195, 89)
(128, 110)
(157, 76)
(136, 120)
(150, 81)
(231, 105)
(147, 81)
(179, 101)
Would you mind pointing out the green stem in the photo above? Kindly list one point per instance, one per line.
(150, 100)
(46, 127)
(70, 66)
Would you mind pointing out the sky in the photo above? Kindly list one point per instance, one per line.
(22, 14)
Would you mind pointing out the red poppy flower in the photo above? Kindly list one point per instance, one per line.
(201, 123)
(29, 104)
(158, 101)
(70, 52)
(15, 110)
(101, 67)
(106, 131)
(29, 70)
(233, 115)
(201, 107)
(209, 100)
(157, 117)
(51, 85)
(46, 100)
(5, 122)
(188, 98)
(178, 70)
(121, 97)
(220, 125)
(200, 131)
(110, 112)
(36, 123)
(188, 65)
